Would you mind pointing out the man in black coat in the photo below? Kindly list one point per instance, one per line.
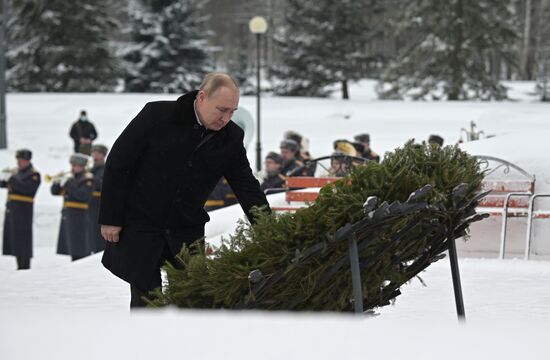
(77, 191)
(83, 133)
(22, 186)
(99, 153)
(159, 174)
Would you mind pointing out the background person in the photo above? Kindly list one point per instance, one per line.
(83, 133)
(273, 179)
(22, 185)
(367, 153)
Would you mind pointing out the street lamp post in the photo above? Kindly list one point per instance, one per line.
(258, 26)
(3, 19)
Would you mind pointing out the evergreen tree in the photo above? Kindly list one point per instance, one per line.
(448, 47)
(323, 43)
(169, 51)
(61, 46)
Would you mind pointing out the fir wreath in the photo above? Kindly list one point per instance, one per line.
(403, 213)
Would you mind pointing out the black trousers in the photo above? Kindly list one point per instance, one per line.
(23, 263)
(138, 296)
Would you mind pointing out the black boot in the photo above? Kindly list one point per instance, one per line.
(23, 263)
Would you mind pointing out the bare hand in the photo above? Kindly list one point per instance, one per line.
(111, 233)
(85, 140)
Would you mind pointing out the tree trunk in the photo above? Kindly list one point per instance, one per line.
(457, 79)
(527, 75)
(345, 91)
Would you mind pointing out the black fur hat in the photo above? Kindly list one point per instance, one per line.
(23, 154)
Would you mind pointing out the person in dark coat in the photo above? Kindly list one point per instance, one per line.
(159, 174)
(22, 186)
(274, 179)
(83, 133)
(366, 153)
(221, 196)
(435, 140)
(289, 151)
(99, 153)
(303, 154)
(77, 191)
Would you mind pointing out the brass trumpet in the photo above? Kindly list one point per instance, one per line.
(9, 170)
(56, 177)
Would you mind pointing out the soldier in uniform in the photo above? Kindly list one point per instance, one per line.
(367, 153)
(274, 179)
(76, 191)
(99, 153)
(22, 186)
(289, 151)
(83, 133)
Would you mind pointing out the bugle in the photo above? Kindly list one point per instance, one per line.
(9, 170)
(56, 177)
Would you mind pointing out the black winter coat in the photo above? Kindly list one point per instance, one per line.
(22, 188)
(276, 181)
(73, 236)
(82, 129)
(96, 240)
(158, 176)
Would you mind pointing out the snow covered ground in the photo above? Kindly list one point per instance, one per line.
(58, 308)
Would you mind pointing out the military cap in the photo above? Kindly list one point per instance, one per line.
(79, 159)
(100, 148)
(293, 135)
(275, 157)
(435, 139)
(290, 145)
(23, 154)
(364, 138)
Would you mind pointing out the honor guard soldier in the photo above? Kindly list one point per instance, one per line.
(99, 152)
(22, 186)
(76, 191)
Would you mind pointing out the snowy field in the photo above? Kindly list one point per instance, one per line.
(63, 310)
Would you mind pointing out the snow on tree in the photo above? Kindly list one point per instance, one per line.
(61, 45)
(169, 51)
(448, 50)
(323, 43)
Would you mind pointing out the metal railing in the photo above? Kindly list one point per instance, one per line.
(529, 224)
(505, 220)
